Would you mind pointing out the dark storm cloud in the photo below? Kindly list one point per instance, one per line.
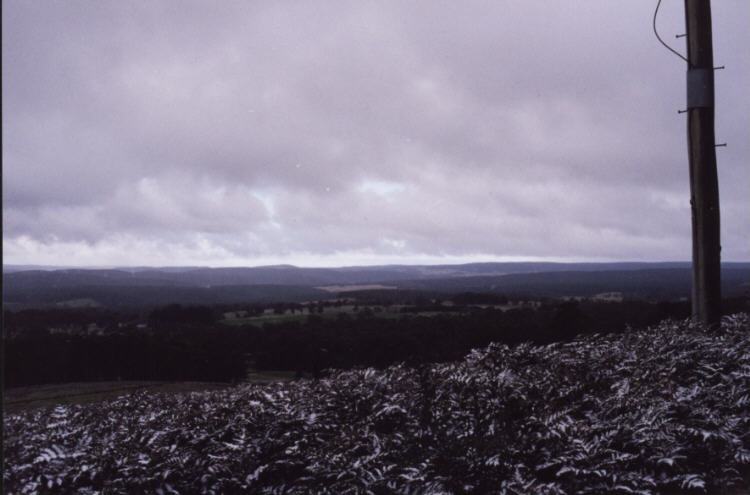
(175, 132)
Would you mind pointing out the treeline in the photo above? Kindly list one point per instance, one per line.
(366, 340)
(176, 348)
(176, 314)
(33, 321)
(184, 353)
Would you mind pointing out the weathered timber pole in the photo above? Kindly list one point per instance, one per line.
(704, 186)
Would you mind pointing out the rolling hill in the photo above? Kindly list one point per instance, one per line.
(152, 286)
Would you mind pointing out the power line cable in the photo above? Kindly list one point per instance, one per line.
(659, 37)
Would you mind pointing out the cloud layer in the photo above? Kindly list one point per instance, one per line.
(357, 132)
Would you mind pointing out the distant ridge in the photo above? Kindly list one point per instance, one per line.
(366, 273)
(291, 274)
(148, 285)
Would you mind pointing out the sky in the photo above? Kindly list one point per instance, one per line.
(344, 133)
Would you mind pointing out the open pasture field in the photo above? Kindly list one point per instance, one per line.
(328, 313)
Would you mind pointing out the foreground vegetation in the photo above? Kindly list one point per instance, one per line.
(663, 410)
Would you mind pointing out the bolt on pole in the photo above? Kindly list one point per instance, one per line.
(704, 186)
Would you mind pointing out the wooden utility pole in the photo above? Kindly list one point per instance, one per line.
(704, 186)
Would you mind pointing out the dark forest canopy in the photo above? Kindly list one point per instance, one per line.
(183, 342)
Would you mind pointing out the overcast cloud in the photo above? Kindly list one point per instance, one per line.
(330, 133)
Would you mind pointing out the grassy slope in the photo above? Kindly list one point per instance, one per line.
(665, 410)
(21, 399)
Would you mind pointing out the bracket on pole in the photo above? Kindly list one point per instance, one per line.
(700, 88)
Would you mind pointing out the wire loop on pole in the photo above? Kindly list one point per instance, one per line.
(658, 4)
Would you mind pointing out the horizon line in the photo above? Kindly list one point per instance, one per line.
(32, 266)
